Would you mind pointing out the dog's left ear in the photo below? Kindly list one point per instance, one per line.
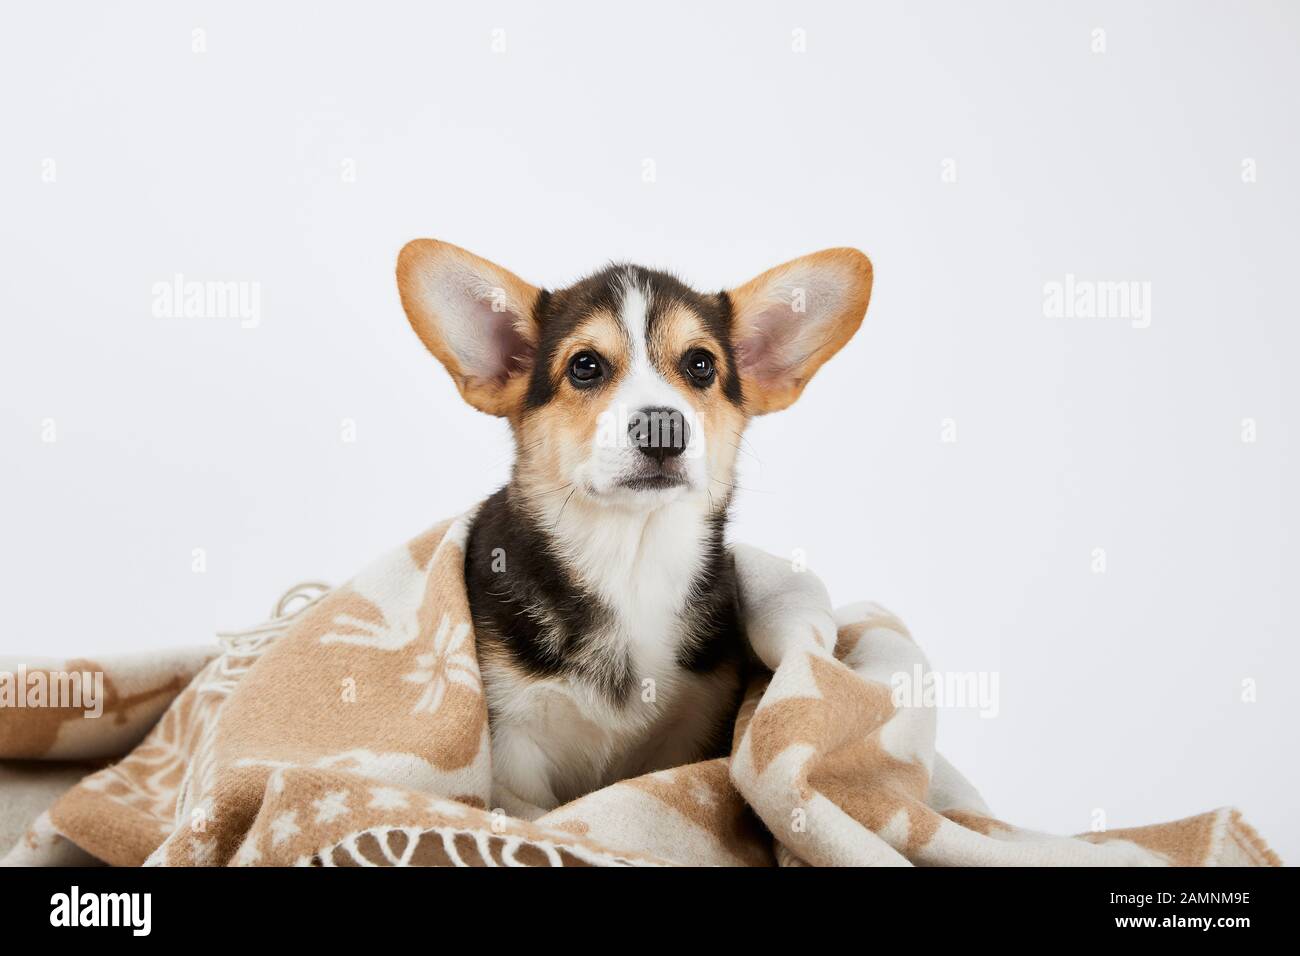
(788, 321)
(475, 316)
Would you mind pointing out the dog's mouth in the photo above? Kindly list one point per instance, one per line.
(652, 482)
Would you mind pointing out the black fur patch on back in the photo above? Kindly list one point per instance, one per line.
(558, 313)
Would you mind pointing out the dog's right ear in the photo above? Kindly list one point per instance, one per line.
(475, 316)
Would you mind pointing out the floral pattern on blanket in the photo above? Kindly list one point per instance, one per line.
(354, 732)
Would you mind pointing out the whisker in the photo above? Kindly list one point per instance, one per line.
(737, 487)
(743, 441)
(747, 452)
(562, 507)
(531, 496)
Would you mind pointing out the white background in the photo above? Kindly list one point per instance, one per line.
(1120, 691)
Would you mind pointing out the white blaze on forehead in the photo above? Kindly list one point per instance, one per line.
(643, 386)
(635, 316)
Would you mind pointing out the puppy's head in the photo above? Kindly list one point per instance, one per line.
(628, 387)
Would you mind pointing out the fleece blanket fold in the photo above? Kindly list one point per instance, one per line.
(352, 730)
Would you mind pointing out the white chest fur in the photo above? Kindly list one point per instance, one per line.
(556, 739)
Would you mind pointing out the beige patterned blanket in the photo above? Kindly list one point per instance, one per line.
(354, 731)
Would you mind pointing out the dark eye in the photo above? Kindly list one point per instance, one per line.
(585, 370)
(699, 368)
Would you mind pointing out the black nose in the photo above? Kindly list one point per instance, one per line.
(660, 433)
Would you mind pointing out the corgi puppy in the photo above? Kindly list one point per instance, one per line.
(603, 599)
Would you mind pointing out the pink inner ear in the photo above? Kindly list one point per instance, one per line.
(514, 352)
(505, 351)
(763, 352)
